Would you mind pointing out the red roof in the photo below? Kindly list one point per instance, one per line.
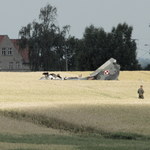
(24, 53)
(1, 38)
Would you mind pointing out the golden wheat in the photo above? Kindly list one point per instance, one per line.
(111, 106)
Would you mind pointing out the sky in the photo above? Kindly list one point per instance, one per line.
(79, 14)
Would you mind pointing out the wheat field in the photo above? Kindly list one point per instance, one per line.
(103, 106)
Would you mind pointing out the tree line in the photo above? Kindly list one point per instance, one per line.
(53, 48)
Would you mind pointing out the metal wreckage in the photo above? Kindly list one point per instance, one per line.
(108, 71)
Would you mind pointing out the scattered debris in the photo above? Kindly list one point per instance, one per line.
(108, 71)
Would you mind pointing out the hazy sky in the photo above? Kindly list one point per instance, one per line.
(79, 14)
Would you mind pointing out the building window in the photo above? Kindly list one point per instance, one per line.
(9, 51)
(11, 65)
(3, 51)
(17, 65)
(6, 51)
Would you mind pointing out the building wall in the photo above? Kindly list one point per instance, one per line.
(10, 58)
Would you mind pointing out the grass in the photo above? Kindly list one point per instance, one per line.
(38, 114)
(50, 142)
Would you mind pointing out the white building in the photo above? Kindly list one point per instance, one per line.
(11, 58)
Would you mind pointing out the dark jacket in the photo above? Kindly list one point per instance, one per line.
(141, 92)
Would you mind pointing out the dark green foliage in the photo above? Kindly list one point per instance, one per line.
(50, 49)
(99, 46)
(124, 47)
(45, 41)
(147, 67)
(72, 45)
(93, 51)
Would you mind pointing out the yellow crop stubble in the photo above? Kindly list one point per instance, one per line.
(107, 105)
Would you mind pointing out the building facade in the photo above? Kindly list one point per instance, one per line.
(11, 58)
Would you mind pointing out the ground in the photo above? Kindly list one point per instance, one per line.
(45, 114)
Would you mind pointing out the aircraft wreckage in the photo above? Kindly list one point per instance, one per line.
(108, 71)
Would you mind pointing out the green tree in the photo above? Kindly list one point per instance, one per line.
(147, 67)
(124, 47)
(93, 48)
(97, 46)
(45, 41)
(72, 46)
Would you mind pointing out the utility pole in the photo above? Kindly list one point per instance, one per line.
(66, 55)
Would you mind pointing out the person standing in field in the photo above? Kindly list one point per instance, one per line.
(141, 92)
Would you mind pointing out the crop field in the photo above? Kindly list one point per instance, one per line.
(74, 115)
